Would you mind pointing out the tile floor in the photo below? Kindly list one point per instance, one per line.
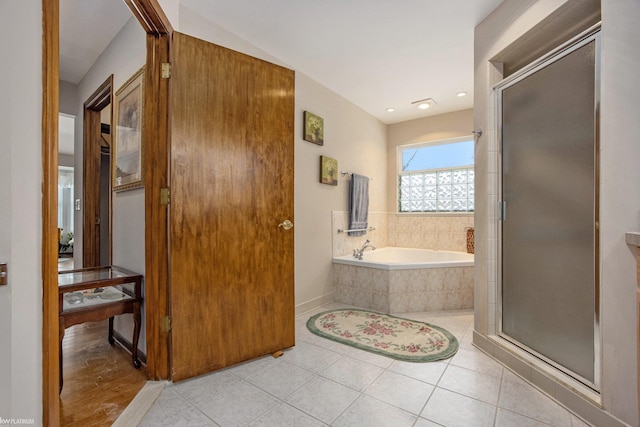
(323, 383)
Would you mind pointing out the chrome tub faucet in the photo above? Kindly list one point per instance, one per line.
(357, 253)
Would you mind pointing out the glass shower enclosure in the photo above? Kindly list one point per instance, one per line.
(549, 294)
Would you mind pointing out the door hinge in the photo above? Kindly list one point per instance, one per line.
(3, 274)
(165, 196)
(166, 70)
(166, 324)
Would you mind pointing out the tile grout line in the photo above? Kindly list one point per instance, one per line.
(363, 392)
(495, 414)
(195, 406)
(435, 387)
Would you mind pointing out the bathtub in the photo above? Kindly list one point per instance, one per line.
(392, 258)
(403, 280)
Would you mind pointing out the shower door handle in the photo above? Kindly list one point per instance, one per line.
(502, 211)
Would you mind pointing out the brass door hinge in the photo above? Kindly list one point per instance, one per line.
(166, 70)
(166, 324)
(3, 274)
(165, 196)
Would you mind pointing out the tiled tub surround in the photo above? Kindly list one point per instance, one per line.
(442, 232)
(344, 244)
(406, 290)
(411, 290)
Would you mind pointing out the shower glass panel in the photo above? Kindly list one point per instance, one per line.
(549, 194)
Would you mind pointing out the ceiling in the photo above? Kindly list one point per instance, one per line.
(378, 54)
(85, 32)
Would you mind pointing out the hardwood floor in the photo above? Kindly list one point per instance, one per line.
(99, 379)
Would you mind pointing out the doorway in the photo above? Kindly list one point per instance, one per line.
(66, 186)
(549, 256)
(96, 244)
(157, 27)
(105, 185)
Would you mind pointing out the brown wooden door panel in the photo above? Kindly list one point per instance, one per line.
(231, 185)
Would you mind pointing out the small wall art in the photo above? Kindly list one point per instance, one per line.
(328, 170)
(128, 150)
(313, 128)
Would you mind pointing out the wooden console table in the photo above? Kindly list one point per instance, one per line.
(98, 293)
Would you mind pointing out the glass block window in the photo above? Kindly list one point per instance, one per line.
(436, 177)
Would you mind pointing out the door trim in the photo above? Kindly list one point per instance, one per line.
(151, 16)
(156, 172)
(50, 110)
(93, 106)
(158, 28)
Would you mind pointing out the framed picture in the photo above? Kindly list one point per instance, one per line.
(127, 149)
(328, 170)
(313, 128)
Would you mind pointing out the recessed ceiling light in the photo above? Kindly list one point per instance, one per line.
(423, 105)
(461, 94)
(390, 110)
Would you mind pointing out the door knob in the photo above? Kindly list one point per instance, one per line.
(286, 224)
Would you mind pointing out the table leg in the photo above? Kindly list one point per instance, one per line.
(111, 340)
(61, 337)
(136, 334)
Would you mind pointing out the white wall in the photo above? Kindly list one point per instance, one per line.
(21, 212)
(171, 9)
(358, 142)
(353, 137)
(68, 98)
(620, 200)
(122, 58)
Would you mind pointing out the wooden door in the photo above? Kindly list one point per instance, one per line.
(232, 273)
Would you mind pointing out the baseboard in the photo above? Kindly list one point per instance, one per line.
(316, 302)
(128, 346)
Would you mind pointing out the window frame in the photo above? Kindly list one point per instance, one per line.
(400, 172)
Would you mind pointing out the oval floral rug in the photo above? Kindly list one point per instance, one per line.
(384, 334)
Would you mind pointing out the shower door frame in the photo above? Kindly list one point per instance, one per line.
(588, 36)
